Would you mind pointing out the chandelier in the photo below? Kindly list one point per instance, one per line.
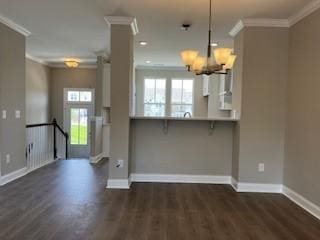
(218, 61)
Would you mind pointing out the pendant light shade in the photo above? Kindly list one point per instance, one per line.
(188, 57)
(230, 62)
(198, 64)
(222, 55)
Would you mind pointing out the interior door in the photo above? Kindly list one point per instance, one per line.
(78, 126)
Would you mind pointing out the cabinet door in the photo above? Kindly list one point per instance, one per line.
(205, 85)
(106, 86)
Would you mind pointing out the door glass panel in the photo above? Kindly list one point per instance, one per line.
(73, 96)
(79, 126)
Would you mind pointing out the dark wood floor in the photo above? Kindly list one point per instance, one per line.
(68, 200)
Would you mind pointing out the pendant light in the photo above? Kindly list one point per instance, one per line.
(218, 61)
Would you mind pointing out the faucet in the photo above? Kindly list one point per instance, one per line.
(187, 114)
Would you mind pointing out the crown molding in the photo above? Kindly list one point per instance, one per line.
(285, 23)
(258, 22)
(35, 59)
(266, 22)
(81, 65)
(57, 63)
(9, 23)
(304, 12)
(120, 20)
(166, 68)
(236, 29)
(102, 54)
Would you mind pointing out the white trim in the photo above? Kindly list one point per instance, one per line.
(304, 12)
(35, 59)
(102, 53)
(234, 184)
(42, 165)
(179, 178)
(97, 158)
(286, 23)
(121, 20)
(118, 184)
(259, 187)
(255, 187)
(16, 27)
(81, 65)
(258, 22)
(302, 202)
(265, 22)
(13, 176)
(236, 29)
(172, 68)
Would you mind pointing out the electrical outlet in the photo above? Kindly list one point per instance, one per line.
(8, 159)
(18, 114)
(261, 167)
(4, 114)
(120, 163)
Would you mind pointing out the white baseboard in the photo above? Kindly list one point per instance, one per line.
(97, 158)
(13, 176)
(256, 187)
(42, 165)
(259, 187)
(302, 202)
(118, 184)
(179, 178)
(234, 184)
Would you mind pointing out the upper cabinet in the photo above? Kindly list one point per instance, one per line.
(225, 92)
(106, 85)
(205, 85)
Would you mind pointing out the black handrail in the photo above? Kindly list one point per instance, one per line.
(55, 126)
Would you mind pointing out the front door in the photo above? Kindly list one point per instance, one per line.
(78, 110)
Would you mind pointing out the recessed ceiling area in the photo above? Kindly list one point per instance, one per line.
(76, 28)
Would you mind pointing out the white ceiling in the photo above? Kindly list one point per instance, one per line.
(76, 28)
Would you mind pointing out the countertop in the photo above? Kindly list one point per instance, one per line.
(183, 119)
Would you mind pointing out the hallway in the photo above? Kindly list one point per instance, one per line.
(68, 200)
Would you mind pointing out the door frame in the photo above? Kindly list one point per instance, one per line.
(78, 104)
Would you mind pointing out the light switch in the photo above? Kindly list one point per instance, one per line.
(4, 114)
(261, 167)
(8, 159)
(18, 114)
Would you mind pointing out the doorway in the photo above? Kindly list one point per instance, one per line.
(78, 110)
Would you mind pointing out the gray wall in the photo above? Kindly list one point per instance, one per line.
(262, 124)
(200, 102)
(12, 98)
(37, 92)
(68, 78)
(188, 148)
(302, 161)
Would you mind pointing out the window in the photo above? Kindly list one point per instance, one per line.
(79, 126)
(79, 96)
(181, 97)
(154, 97)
